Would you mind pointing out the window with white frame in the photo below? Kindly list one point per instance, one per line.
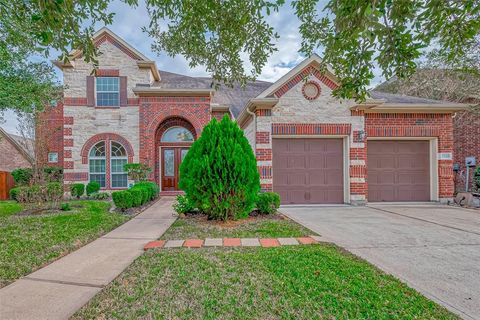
(52, 157)
(118, 159)
(108, 91)
(96, 163)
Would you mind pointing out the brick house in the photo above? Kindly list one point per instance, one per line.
(14, 153)
(310, 146)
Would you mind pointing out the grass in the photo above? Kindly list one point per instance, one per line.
(256, 227)
(301, 282)
(30, 242)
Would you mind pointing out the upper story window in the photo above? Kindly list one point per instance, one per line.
(108, 91)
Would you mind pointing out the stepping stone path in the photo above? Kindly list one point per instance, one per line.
(232, 242)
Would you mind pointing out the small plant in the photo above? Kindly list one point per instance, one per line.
(100, 196)
(13, 193)
(54, 192)
(137, 171)
(183, 205)
(476, 178)
(77, 190)
(92, 187)
(22, 176)
(268, 202)
(53, 174)
(122, 199)
(65, 207)
(137, 197)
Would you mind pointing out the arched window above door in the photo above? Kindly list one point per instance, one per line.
(177, 134)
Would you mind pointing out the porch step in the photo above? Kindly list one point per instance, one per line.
(170, 193)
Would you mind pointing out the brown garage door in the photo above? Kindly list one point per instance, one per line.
(398, 171)
(308, 170)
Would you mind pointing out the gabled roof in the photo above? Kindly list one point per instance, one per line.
(314, 61)
(17, 141)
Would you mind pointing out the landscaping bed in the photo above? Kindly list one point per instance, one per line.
(197, 226)
(30, 241)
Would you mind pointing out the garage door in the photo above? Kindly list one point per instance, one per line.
(398, 170)
(308, 171)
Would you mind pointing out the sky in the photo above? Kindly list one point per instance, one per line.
(128, 23)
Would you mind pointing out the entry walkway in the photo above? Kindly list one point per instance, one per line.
(61, 288)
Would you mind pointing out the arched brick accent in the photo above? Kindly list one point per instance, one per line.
(107, 137)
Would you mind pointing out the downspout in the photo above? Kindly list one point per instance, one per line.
(255, 129)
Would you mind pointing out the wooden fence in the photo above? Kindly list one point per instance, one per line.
(6, 183)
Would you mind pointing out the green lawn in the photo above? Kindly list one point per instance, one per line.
(302, 282)
(29, 242)
(318, 281)
(261, 227)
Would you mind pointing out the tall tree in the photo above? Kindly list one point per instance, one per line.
(352, 35)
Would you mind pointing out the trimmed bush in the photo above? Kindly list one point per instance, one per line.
(122, 199)
(268, 202)
(152, 187)
(77, 190)
(54, 191)
(219, 173)
(22, 176)
(92, 187)
(100, 196)
(145, 192)
(182, 205)
(137, 197)
(13, 193)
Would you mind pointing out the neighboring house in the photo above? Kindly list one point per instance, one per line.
(310, 146)
(15, 152)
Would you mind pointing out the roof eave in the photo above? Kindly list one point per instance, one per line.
(149, 92)
(410, 108)
(263, 103)
(152, 65)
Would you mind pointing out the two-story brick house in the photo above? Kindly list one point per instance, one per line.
(310, 146)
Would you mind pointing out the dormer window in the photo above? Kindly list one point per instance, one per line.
(108, 91)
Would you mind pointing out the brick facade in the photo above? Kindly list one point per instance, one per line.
(11, 157)
(52, 133)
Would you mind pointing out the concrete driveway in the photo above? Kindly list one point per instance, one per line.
(433, 248)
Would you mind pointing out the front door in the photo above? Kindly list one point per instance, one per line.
(171, 159)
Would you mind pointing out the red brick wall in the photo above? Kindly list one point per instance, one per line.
(220, 114)
(10, 157)
(50, 133)
(418, 125)
(154, 111)
(466, 143)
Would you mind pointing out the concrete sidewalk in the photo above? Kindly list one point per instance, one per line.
(61, 288)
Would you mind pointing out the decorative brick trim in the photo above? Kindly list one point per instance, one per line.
(301, 76)
(133, 101)
(358, 188)
(68, 142)
(311, 129)
(357, 136)
(67, 131)
(75, 176)
(266, 187)
(67, 164)
(403, 131)
(264, 154)
(75, 101)
(263, 113)
(107, 137)
(358, 154)
(68, 120)
(357, 113)
(67, 154)
(263, 137)
(107, 73)
(265, 172)
(314, 83)
(358, 171)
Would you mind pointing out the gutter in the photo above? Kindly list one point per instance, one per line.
(255, 131)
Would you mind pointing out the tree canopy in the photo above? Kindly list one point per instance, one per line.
(353, 36)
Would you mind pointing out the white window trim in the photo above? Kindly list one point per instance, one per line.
(98, 158)
(56, 154)
(97, 92)
(117, 158)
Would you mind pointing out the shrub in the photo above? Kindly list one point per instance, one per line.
(22, 176)
(122, 199)
(137, 197)
(53, 174)
(268, 202)
(92, 187)
(137, 171)
(182, 205)
(13, 193)
(219, 173)
(476, 178)
(54, 191)
(77, 190)
(145, 192)
(152, 187)
(65, 207)
(100, 196)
